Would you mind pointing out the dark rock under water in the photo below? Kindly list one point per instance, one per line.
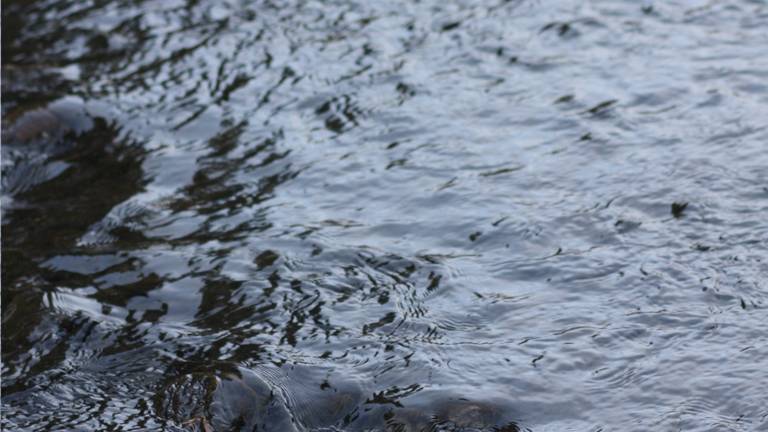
(384, 216)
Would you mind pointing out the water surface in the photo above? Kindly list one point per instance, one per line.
(353, 215)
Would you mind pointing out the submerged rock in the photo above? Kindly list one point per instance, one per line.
(305, 398)
(34, 138)
(446, 413)
(39, 123)
(228, 398)
(211, 401)
(47, 124)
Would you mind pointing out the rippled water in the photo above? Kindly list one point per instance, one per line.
(408, 215)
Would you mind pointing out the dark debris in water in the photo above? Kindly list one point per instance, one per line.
(678, 209)
(501, 171)
(563, 29)
(450, 26)
(266, 259)
(602, 108)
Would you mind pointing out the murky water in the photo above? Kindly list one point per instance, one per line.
(409, 215)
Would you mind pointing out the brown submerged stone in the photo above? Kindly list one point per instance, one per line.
(444, 413)
(40, 123)
(243, 399)
(48, 123)
(222, 401)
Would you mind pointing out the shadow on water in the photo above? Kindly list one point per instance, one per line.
(80, 309)
(57, 182)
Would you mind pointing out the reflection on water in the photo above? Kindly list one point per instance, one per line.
(405, 216)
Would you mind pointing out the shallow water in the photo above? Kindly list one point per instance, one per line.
(351, 215)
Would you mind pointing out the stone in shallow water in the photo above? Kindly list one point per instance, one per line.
(34, 124)
(454, 414)
(289, 399)
(49, 123)
(35, 140)
(219, 400)
(246, 402)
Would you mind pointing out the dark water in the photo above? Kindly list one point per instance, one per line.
(353, 215)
